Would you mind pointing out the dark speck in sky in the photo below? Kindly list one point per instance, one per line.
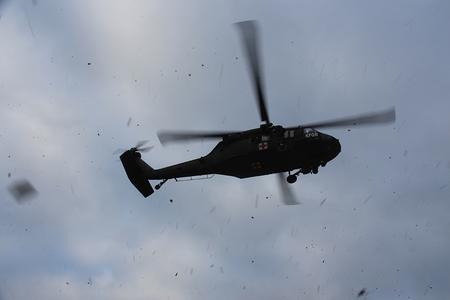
(22, 190)
(362, 292)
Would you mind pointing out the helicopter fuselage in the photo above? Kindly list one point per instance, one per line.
(259, 152)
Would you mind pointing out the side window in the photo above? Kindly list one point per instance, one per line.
(289, 134)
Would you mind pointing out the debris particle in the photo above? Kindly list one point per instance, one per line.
(9, 174)
(220, 73)
(89, 63)
(323, 201)
(367, 199)
(211, 265)
(129, 122)
(29, 24)
(189, 74)
(253, 261)
(171, 200)
(22, 190)
(203, 65)
(252, 217)
(176, 274)
(362, 292)
(212, 209)
(67, 283)
(191, 271)
(89, 282)
(405, 153)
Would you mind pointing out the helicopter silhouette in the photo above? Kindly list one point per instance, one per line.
(265, 150)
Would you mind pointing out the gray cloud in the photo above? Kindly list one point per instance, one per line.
(73, 73)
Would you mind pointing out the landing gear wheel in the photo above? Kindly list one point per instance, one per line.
(159, 185)
(291, 179)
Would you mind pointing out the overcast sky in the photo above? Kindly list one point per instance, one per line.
(72, 73)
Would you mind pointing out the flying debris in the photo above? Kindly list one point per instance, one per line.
(362, 293)
(267, 149)
(22, 190)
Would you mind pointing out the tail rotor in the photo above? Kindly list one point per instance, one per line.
(139, 147)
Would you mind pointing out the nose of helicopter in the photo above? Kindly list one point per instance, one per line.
(333, 146)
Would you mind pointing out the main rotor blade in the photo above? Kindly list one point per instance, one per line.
(248, 31)
(180, 136)
(287, 194)
(371, 118)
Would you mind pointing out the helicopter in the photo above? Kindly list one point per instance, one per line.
(265, 150)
